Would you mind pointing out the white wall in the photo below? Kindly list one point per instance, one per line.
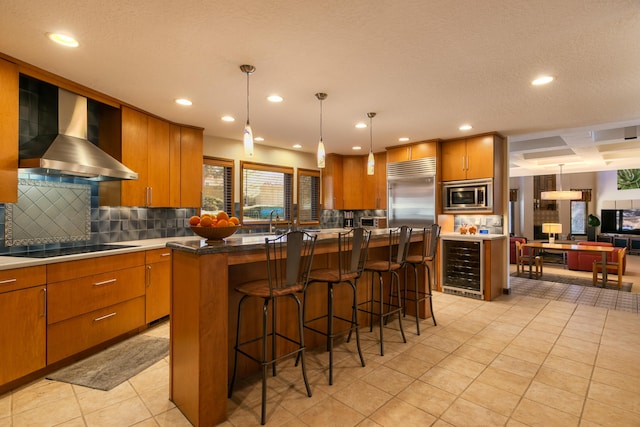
(608, 190)
(234, 150)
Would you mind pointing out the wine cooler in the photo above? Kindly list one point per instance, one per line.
(463, 268)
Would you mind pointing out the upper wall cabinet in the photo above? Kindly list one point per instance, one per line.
(471, 158)
(191, 142)
(346, 185)
(167, 158)
(418, 150)
(9, 101)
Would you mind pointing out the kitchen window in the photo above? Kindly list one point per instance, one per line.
(308, 196)
(217, 186)
(265, 191)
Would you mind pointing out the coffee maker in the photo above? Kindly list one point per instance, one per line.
(347, 220)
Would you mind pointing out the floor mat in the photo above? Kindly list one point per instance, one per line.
(118, 363)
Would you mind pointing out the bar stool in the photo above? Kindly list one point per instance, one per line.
(426, 259)
(398, 247)
(289, 259)
(352, 254)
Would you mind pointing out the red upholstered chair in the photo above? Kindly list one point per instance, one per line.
(583, 261)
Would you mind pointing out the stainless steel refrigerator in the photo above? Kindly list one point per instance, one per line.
(411, 193)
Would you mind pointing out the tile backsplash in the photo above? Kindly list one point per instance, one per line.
(102, 225)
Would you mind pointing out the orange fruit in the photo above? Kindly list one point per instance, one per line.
(223, 223)
(205, 214)
(206, 221)
(223, 215)
(234, 220)
(194, 220)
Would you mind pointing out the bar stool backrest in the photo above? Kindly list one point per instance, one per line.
(289, 259)
(399, 239)
(353, 247)
(430, 241)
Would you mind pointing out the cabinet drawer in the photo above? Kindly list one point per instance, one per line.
(21, 278)
(74, 297)
(83, 332)
(157, 255)
(88, 267)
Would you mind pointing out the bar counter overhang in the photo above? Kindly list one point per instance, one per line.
(203, 312)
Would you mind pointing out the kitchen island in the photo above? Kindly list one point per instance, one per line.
(203, 313)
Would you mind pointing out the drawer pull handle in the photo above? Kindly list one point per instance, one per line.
(2, 282)
(104, 282)
(106, 316)
(166, 254)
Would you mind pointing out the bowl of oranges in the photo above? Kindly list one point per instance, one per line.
(214, 227)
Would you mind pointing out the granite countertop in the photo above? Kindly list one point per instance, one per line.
(474, 237)
(195, 244)
(248, 242)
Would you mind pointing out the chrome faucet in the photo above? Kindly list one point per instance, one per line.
(271, 219)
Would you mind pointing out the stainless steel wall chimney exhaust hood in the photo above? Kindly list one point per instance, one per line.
(70, 152)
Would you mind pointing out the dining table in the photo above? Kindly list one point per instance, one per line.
(537, 247)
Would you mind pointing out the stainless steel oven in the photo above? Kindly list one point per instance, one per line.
(469, 195)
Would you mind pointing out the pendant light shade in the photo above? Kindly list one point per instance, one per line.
(559, 194)
(321, 153)
(247, 135)
(371, 162)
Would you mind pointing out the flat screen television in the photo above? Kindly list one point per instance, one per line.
(622, 221)
(609, 221)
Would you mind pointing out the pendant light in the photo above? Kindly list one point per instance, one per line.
(371, 160)
(247, 136)
(559, 194)
(321, 154)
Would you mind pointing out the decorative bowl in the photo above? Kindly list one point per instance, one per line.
(213, 234)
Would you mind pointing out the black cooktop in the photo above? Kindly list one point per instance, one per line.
(67, 251)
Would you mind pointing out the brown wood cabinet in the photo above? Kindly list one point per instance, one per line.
(9, 104)
(158, 284)
(332, 196)
(471, 158)
(418, 150)
(23, 320)
(92, 301)
(375, 189)
(167, 158)
(145, 150)
(346, 185)
(191, 152)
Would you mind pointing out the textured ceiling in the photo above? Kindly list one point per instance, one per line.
(425, 67)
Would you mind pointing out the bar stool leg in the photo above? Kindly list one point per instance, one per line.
(397, 280)
(265, 314)
(330, 332)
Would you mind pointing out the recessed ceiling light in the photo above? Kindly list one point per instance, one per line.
(356, 148)
(258, 138)
(542, 80)
(183, 101)
(228, 119)
(403, 139)
(274, 98)
(361, 125)
(63, 39)
(465, 127)
(297, 146)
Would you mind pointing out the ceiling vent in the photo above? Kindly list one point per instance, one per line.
(631, 132)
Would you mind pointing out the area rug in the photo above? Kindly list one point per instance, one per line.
(574, 280)
(116, 364)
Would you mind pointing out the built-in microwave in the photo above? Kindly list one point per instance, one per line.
(468, 195)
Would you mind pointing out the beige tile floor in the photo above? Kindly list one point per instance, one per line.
(515, 361)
